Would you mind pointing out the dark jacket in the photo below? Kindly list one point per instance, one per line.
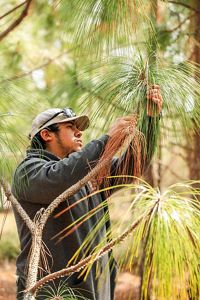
(38, 180)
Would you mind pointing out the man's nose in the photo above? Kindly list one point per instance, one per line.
(78, 133)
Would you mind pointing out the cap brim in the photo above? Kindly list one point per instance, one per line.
(82, 122)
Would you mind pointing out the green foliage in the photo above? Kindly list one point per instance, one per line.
(166, 239)
(63, 292)
(120, 85)
(9, 243)
(169, 240)
(164, 37)
(9, 248)
(103, 25)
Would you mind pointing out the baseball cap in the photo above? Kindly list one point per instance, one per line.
(57, 115)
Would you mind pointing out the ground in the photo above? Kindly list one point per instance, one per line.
(126, 289)
(7, 281)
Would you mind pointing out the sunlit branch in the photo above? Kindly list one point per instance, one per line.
(93, 94)
(184, 5)
(17, 21)
(18, 207)
(12, 10)
(181, 146)
(167, 168)
(180, 24)
(175, 153)
(50, 60)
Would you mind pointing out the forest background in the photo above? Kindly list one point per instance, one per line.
(46, 62)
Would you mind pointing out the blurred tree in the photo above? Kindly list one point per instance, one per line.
(193, 155)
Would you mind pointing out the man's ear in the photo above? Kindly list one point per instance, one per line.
(46, 135)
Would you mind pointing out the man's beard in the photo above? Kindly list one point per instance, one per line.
(65, 151)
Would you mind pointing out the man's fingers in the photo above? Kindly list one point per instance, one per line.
(153, 86)
(126, 118)
(157, 97)
(157, 102)
(153, 91)
(120, 124)
(154, 95)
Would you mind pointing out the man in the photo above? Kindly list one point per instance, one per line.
(55, 161)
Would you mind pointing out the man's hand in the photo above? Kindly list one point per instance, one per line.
(154, 96)
(121, 124)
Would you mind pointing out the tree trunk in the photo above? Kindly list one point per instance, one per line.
(193, 158)
(149, 176)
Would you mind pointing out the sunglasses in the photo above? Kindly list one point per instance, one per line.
(67, 112)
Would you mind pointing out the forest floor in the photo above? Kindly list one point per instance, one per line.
(7, 281)
(126, 289)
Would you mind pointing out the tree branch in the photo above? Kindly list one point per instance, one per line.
(17, 205)
(49, 61)
(21, 75)
(17, 21)
(12, 10)
(167, 168)
(184, 5)
(92, 257)
(182, 146)
(179, 154)
(180, 24)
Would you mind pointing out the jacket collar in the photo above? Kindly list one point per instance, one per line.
(41, 153)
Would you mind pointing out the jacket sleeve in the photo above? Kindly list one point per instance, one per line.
(40, 181)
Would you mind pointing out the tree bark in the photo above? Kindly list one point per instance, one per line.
(193, 157)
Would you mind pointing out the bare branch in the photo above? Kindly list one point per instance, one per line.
(18, 207)
(50, 60)
(184, 5)
(24, 74)
(12, 10)
(17, 21)
(94, 257)
(167, 168)
(182, 146)
(180, 24)
(174, 152)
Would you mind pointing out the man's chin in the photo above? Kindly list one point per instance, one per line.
(79, 148)
(76, 149)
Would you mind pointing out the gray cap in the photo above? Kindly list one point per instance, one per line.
(57, 115)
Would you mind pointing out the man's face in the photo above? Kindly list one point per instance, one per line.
(68, 139)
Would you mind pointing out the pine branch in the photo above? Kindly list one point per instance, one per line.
(12, 10)
(179, 154)
(17, 21)
(92, 258)
(18, 207)
(50, 60)
(180, 24)
(92, 93)
(182, 146)
(167, 168)
(184, 5)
